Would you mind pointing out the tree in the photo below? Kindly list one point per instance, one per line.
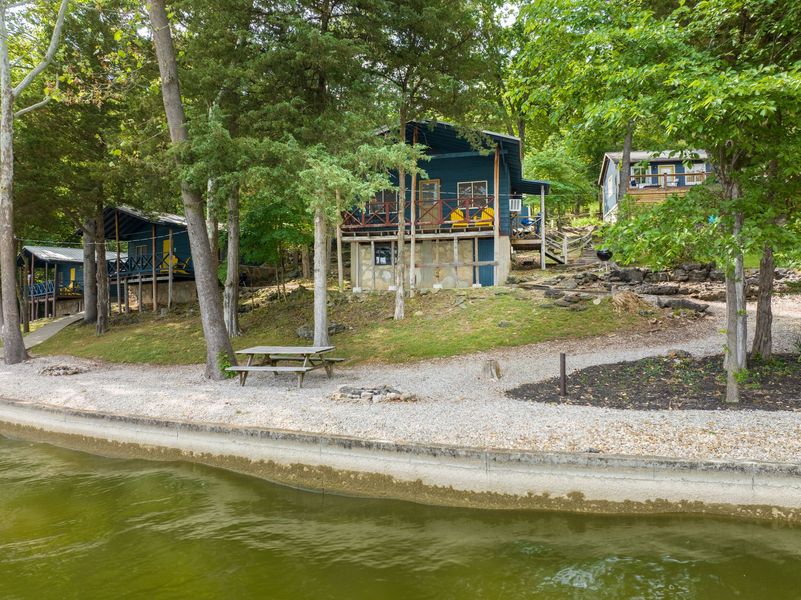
(13, 346)
(218, 345)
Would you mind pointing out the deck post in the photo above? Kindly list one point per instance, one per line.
(564, 249)
(372, 260)
(139, 292)
(46, 295)
(496, 215)
(542, 227)
(413, 215)
(31, 283)
(154, 272)
(456, 261)
(170, 274)
(127, 296)
(117, 240)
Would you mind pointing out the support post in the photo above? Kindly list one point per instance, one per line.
(117, 241)
(340, 264)
(140, 300)
(170, 273)
(413, 215)
(154, 272)
(372, 260)
(127, 296)
(496, 215)
(564, 250)
(31, 284)
(542, 227)
(562, 374)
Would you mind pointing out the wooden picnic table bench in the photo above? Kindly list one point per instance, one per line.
(309, 357)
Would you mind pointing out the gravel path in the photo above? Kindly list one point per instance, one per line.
(456, 407)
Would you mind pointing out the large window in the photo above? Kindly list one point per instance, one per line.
(472, 189)
(383, 255)
(639, 175)
(696, 174)
(428, 201)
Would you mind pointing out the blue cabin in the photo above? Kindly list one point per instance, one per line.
(654, 176)
(55, 280)
(157, 266)
(459, 217)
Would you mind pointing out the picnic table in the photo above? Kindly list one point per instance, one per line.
(301, 359)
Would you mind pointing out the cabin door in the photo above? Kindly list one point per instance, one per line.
(428, 204)
(667, 175)
(165, 250)
(72, 277)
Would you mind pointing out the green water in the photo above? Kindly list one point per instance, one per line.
(78, 526)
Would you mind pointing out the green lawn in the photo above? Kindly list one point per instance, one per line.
(437, 325)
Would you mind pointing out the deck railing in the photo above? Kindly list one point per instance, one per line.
(134, 265)
(663, 181)
(465, 212)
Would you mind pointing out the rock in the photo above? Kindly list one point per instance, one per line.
(679, 303)
(717, 275)
(418, 313)
(584, 296)
(513, 279)
(678, 353)
(711, 295)
(546, 305)
(589, 277)
(504, 324)
(563, 303)
(60, 370)
(632, 275)
(661, 289)
(697, 275)
(679, 275)
(572, 297)
(551, 293)
(597, 301)
(570, 284)
(657, 277)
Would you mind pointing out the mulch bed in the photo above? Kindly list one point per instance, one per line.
(674, 383)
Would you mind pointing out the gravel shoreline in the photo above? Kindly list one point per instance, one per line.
(456, 405)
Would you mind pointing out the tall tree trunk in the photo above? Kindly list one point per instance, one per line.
(13, 346)
(89, 273)
(320, 279)
(212, 224)
(231, 293)
(625, 163)
(101, 272)
(763, 337)
(218, 344)
(305, 262)
(26, 295)
(736, 320)
(400, 268)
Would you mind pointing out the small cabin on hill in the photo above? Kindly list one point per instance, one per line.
(654, 177)
(157, 269)
(459, 217)
(54, 276)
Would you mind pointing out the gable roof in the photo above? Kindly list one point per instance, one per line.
(451, 138)
(131, 220)
(651, 156)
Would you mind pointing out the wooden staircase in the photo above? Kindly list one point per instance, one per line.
(558, 245)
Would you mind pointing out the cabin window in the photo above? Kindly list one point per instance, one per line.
(383, 255)
(639, 175)
(428, 201)
(140, 250)
(472, 189)
(697, 173)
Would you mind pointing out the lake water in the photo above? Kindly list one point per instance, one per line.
(74, 525)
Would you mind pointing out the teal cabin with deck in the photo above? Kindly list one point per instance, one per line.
(54, 277)
(459, 217)
(157, 269)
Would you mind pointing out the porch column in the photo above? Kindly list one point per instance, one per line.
(117, 240)
(542, 227)
(153, 271)
(496, 220)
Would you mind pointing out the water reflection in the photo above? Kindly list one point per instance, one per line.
(75, 525)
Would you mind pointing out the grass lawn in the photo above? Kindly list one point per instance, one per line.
(439, 324)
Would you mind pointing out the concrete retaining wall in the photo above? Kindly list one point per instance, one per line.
(430, 474)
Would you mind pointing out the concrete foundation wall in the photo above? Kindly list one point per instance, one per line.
(183, 292)
(431, 474)
(431, 264)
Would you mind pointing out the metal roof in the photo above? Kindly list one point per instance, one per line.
(55, 253)
(61, 254)
(132, 219)
(452, 138)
